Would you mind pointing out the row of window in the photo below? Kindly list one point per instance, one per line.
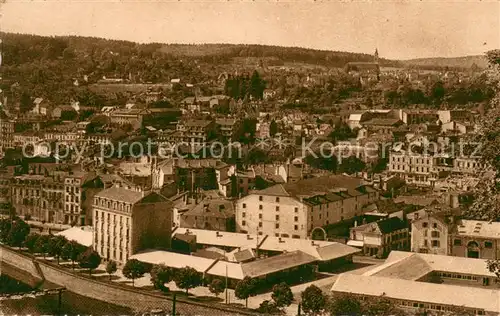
(456, 276)
(73, 190)
(114, 257)
(119, 206)
(108, 217)
(472, 244)
(434, 243)
(434, 233)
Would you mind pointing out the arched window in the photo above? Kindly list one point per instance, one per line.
(472, 244)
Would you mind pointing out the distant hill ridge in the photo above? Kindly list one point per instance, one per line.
(453, 62)
(226, 52)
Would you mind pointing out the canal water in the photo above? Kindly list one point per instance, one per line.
(71, 303)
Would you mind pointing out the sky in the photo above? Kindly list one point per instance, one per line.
(399, 29)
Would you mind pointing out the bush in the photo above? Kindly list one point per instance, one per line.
(111, 268)
(268, 307)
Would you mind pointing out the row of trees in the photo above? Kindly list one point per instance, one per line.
(245, 87)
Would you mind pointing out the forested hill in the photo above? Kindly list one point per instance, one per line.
(479, 62)
(13, 43)
(285, 54)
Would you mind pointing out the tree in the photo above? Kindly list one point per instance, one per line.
(342, 132)
(111, 268)
(257, 86)
(282, 295)
(18, 233)
(273, 128)
(486, 204)
(244, 289)
(42, 244)
(89, 259)
(30, 242)
(71, 251)
(380, 306)
(25, 103)
(187, 278)
(133, 269)
(161, 274)
(313, 300)
(351, 165)
(5, 225)
(217, 286)
(344, 305)
(55, 247)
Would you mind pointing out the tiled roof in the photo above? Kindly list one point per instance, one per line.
(454, 295)
(121, 194)
(391, 224)
(213, 208)
(276, 263)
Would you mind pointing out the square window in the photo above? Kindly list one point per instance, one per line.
(296, 227)
(434, 225)
(457, 242)
(277, 217)
(277, 208)
(243, 214)
(435, 243)
(260, 198)
(244, 205)
(260, 206)
(488, 244)
(424, 224)
(277, 200)
(296, 210)
(296, 218)
(243, 223)
(260, 224)
(260, 216)
(277, 225)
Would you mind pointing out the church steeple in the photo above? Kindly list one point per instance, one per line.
(375, 56)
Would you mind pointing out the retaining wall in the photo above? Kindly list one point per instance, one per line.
(136, 299)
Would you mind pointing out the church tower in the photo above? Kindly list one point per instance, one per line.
(375, 56)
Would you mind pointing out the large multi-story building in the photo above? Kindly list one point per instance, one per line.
(296, 209)
(437, 230)
(413, 168)
(126, 221)
(210, 214)
(438, 284)
(6, 134)
(38, 197)
(226, 127)
(424, 169)
(194, 131)
(381, 237)
(132, 117)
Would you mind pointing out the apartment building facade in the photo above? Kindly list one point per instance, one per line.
(6, 134)
(126, 221)
(414, 168)
(296, 209)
